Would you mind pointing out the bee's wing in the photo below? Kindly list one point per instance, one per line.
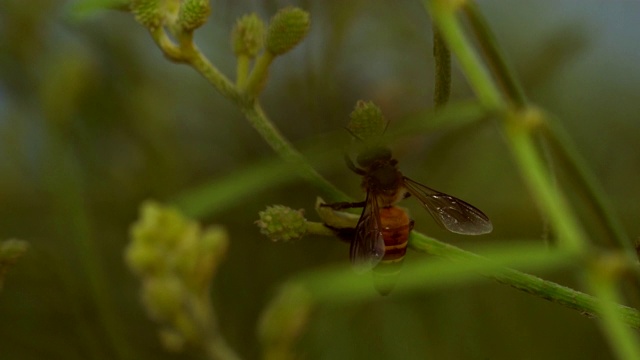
(449, 212)
(367, 247)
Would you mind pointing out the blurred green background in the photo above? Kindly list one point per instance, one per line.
(93, 120)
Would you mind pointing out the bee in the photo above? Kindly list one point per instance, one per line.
(380, 237)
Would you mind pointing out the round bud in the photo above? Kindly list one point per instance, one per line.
(287, 28)
(149, 13)
(193, 14)
(247, 36)
(281, 223)
(366, 121)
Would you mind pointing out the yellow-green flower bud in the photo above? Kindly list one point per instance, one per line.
(366, 121)
(287, 28)
(158, 225)
(144, 260)
(281, 223)
(149, 13)
(163, 297)
(193, 14)
(247, 36)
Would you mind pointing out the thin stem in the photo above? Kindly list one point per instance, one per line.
(442, 57)
(451, 31)
(242, 70)
(258, 76)
(585, 304)
(495, 58)
(520, 125)
(284, 149)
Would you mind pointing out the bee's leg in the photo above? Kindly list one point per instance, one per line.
(353, 166)
(345, 205)
(344, 234)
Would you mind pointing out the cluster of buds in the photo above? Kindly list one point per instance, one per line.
(281, 223)
(286, 29)
(176, 260)
(180, 15)
(251, 39)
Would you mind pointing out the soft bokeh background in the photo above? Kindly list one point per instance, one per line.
(93, 120)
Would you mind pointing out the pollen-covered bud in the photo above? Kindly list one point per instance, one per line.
(149, 13)
(247, 36)
(366, 121)
(287, 28)
(281, 223)
(193, 14)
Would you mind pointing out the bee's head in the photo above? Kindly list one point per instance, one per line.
(368, 156)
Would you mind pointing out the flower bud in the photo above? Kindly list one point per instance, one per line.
(287, 28)
(366, 121)
(149, 13)
(247, 36)
(281, 223)
(193, 14)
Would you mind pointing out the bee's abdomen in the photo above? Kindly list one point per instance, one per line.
(396, 227)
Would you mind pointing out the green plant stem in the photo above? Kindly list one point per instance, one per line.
(534, 172)
(585, 304)
(258, 76)
(242, 70)
(495, 58)
(285, 150)
(442, 58)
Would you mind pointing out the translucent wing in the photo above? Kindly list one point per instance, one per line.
(367, 247)
(449, 212)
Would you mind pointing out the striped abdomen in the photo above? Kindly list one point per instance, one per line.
(396, 227)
